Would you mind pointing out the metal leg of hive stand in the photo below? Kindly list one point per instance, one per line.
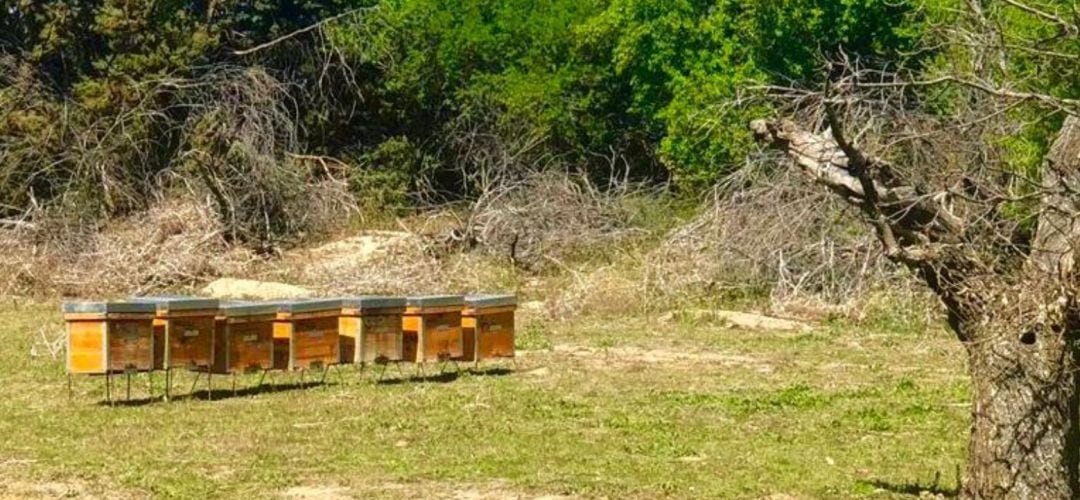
(322, 377)
(108, 387)
(127, 396)
(168, 383)
(71, 394)
(150, 384)
(273, 381)
(234, 383)
(194, 383)
(302, 386)
(382, 372)
(209, 384)
(261, 377)
(340, 375)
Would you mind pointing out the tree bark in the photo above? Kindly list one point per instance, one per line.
(1021, 329)
(1024, 441)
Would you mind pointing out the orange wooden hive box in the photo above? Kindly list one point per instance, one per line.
(109, 337)
(432, 328)
(371, 329)
(244, 341)
(187, 326)
(306, 334)
(488, 326)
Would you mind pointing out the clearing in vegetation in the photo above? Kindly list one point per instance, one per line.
(595, 407)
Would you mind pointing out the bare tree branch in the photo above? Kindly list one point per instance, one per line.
(300, 31)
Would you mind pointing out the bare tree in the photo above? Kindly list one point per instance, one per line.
(994, 242)
(1014, 303)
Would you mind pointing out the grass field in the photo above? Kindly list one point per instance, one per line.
(615, 408)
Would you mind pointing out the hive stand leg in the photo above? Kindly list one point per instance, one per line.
(150, 384)
(261, 377)
(382, 372)
(127, 397)
(273, 381)
(322, 377)
(234, 384)
(71, 394)
(341, 376)
(209, 384)
(108, 388)
(194, 383)
(302, 386)
(168, 383)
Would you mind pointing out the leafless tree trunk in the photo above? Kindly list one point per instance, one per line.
(1020, 329)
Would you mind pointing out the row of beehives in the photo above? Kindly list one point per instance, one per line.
(160, 333)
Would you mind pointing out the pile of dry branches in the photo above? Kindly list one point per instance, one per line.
(173, 245)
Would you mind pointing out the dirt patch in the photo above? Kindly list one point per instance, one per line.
(231, 288)
(371, 262)
(738, 319)
(318, 492)
(434, 490)
(625, 355)
(60, 489)
(366, 246)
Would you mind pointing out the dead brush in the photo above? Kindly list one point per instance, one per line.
(173, 245)
(766, 236)
(548, 217)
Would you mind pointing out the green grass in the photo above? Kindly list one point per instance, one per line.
(598, 407)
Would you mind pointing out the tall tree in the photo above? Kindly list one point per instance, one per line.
(936, 176)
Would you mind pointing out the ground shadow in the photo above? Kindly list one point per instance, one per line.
(915, 489)
(436, 378)
(446, 376)
(217, 393)
(333, 378)
(491, 372)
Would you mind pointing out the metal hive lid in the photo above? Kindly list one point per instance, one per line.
(178, 302)
(373, 302)
(490, 300)
(100, 307)
(309, 305)
(435, 300)
(238, 309)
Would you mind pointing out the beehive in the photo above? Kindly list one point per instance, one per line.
(488, 326)
(109, 337)
(245, 337)
(185, 326)
(371, 329)
(306, 334)
(432, 328)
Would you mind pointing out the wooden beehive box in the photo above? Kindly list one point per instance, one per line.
(488, 326)
(371, 329)
(306, 334)
(432, 328)
(105, 337)
(245, 337)
(186, 327)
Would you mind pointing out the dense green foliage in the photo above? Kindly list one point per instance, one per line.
(102, 100)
